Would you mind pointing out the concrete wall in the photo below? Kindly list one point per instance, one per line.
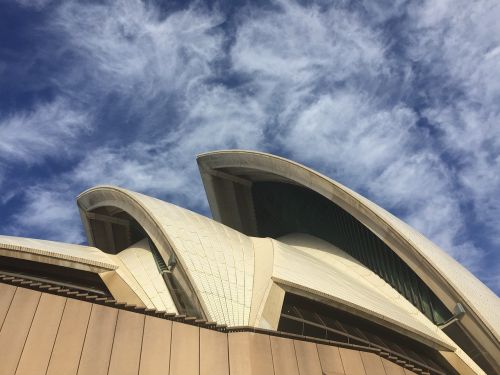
(43, 333)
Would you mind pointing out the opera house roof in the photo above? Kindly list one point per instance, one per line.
(287, 250)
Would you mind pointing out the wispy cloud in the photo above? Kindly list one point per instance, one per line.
(158, 67)
(323, 84)
(48, 212)
(36, 4)
(48, 130)
(146, 60)
(460, 43)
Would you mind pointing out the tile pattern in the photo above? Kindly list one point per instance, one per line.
(219, 259)
(139, 260)
(332, 273)
(478, 297)
(481, 298)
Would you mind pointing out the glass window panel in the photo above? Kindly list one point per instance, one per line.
(290, 326)
(335, 336)
(314, 331)
(309, 315)
(290, 310)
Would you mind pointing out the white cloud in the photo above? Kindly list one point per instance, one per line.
(130, 48)
(382, 11)
(167, 165)
(36, 4)
(301, 44)
(461, 41)
(48, 212)
(420, 184)
(315, 82)
(54, 131)
(49, 130)
(221, 118)
(349, 134)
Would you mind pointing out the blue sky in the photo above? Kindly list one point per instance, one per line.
(398, 100)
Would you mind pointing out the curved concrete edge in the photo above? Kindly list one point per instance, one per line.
(107, 195)
(56, 253)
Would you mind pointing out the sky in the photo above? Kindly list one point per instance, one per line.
(398, 100)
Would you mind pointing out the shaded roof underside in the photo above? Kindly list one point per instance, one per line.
(282, 208)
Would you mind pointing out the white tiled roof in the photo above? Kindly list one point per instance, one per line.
(470, 290)
(147, 280)
(313, 264)
(54, 252)
(219, 259)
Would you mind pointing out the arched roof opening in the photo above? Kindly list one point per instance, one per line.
(114, 220)
(283, 208)
(265, 195)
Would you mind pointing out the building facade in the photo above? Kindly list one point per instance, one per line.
(295, 274)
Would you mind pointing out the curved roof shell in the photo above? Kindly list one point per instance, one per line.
(231, 273)
(221, 262)
(313, 267)
(138, 268)
(217, 260)
(225, 268)
(224, 172)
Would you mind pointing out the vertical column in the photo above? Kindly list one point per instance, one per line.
(351, 360)
(250, 353)
(391, 368)
(330, 359)
(213, 352)
(284, 359)
(6, 295)
(372, 363)
(307, 358)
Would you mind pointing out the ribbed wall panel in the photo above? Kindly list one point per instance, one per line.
(49, 334)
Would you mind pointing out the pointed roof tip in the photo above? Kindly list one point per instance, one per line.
(237, 151)
(100, 186)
